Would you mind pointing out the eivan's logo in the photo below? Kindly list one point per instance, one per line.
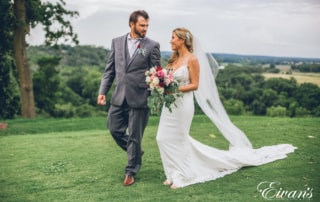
(272, 190)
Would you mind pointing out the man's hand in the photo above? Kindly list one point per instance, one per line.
(101, 100)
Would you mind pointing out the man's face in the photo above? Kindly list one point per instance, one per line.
(139, 29)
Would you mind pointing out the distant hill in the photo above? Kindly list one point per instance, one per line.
(77, 56)
(72, 56)
(234, 58)
(255, 59)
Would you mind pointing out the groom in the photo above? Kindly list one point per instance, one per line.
(130, 57)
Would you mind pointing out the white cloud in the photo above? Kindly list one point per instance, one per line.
(273, 27)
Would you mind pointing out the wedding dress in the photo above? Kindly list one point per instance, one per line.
(185, 160)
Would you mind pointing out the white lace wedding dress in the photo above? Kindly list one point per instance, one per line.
(186, 161)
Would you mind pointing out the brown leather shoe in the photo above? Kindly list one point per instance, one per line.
(128, 180)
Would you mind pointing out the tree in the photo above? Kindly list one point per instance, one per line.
(9, 93)
(308, 96)
(29, 14)
(282, 85)
(46, 84)
(89, 87)
(269, 97)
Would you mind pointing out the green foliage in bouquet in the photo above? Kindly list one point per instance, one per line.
(168, 98)
(164, 89)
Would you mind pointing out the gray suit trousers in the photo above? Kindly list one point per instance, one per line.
(127, 125)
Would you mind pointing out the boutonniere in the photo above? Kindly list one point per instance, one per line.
(142, 50)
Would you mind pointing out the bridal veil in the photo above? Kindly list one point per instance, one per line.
(208, 99)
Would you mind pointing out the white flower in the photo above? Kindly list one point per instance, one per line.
(160, 90)
(148, 80)
(165, 72)
(152, 85)
(153, 70)
(142, 51)
(155, 81)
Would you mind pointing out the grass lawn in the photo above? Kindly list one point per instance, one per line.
(77, 160)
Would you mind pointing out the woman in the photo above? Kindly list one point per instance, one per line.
(185, 160)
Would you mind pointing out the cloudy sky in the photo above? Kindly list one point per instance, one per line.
(255, 27)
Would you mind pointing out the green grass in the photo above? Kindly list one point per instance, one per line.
(77, 160)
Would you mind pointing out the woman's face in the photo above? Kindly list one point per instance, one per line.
(176, 42)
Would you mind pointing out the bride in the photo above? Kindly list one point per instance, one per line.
(185, 160)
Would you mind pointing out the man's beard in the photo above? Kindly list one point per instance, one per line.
(141, 35)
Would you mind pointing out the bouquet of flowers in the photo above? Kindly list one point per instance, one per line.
(163, 87)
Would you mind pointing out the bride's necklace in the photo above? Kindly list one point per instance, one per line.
(173, 69)
(170, 70)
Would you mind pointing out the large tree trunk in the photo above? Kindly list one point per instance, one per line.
(20, 56)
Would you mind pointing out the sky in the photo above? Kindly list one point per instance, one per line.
(285, 28)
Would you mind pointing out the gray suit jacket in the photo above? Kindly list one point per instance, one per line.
(129, 73)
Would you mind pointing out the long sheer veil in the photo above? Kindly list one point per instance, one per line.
(208, 99)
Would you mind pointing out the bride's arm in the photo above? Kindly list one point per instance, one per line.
(194, 71)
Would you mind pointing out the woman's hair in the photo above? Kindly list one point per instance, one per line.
(185, 34)
(134, 16)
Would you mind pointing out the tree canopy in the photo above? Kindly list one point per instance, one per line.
(28, 14)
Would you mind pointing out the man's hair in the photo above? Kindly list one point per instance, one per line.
(134, 16)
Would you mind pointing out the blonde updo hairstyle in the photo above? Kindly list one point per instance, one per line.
(185, 34)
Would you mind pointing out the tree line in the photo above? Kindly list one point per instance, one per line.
(244, 90)
(66, 81)
(313, 67)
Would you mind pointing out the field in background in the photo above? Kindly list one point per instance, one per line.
(300, 77)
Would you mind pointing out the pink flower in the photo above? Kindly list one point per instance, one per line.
(160, 74)
(169, 79)
(167, 82)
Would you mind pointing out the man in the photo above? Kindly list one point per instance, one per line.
(130, 57)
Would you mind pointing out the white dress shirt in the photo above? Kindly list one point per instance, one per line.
(132, 44)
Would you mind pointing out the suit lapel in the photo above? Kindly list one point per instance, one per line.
(125, 52)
